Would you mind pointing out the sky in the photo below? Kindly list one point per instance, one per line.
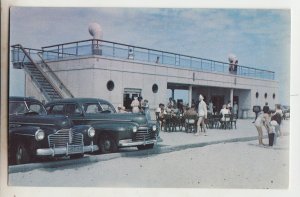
(260, 38)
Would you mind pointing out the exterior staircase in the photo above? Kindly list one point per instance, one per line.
(41, 74)
(46, 87)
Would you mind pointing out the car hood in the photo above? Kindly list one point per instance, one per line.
(128, 117)
(58, 121)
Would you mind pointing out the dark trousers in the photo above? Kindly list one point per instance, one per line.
(271, 138)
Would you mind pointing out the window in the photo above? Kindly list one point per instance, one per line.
(110, 85)
(266, 95)
(36, 107)
(256, 94)
(274, 95)
(155, 88)
(17, 108)
(107, 108)
(56, 109)
(72, 109)
(92, 108)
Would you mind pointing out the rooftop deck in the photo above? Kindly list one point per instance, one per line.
(130, 52)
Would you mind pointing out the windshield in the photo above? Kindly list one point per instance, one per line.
(22, 107)
(93, 108)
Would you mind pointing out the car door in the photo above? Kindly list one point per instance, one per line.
(75, 113)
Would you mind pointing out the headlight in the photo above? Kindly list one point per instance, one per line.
(154, 128)
(39, 135)
(134, 129)
(91, 132)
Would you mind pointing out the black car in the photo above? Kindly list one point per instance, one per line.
(113, 130)
(33, 133)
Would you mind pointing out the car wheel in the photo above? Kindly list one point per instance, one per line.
(21, 155)
(144, 147)
(76, 156)
(107, 144)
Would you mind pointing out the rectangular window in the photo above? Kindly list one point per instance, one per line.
(57, 109)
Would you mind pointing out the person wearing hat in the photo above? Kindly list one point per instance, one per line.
(202, 113)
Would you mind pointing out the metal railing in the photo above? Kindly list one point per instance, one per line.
(21, 56)
(124, 51)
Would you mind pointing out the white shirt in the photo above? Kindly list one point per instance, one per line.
(202, 109)
(223, 112)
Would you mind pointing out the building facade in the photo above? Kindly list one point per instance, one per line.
(118, 72)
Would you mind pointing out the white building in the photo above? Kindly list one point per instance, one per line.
(116, 72)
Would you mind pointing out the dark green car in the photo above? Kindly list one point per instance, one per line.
(113, 130)
(34, 134)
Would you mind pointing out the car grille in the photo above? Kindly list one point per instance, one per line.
(65, 137)
(143, 134)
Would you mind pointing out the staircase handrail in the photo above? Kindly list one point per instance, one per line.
(62, 86)
(42, 72)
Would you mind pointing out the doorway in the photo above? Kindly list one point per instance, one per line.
(218, 102)
(128, 96)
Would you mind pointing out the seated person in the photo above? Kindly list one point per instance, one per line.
(224, 111)
(190, 111)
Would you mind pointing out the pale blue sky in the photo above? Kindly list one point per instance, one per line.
(260, 38)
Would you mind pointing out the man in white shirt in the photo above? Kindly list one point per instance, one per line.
(202, 113)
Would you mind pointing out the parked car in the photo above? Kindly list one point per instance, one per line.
(33, 133)
(113, 130)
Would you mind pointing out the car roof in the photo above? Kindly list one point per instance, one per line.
(78, 100)
(20, 98)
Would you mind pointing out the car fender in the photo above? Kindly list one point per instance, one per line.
(119, 130)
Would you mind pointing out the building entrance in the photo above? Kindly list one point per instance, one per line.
(218, 102)
(129, 94)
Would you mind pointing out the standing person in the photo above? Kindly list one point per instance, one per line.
(145, 108)
(135, 105)
(229, 107)
(262, 120)
(170, 103)
(276, 122)
(160, 115)
(210, 107)
(140, 99)
(202, 113)
(235, 109)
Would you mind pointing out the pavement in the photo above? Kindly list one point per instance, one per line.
(171, 141)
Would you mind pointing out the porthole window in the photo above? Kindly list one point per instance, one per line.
(266, 95)
(155, 88)
(110, 85)
(274, 95)
(256, 94)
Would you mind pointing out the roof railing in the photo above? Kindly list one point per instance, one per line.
(132, 52)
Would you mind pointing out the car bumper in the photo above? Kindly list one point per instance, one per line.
(65, 150)
(129, 142)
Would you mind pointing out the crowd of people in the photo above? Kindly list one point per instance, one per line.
(199, 110)
(271, 121)
(138, 104)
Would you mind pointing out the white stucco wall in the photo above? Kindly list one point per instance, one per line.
(88, 76)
